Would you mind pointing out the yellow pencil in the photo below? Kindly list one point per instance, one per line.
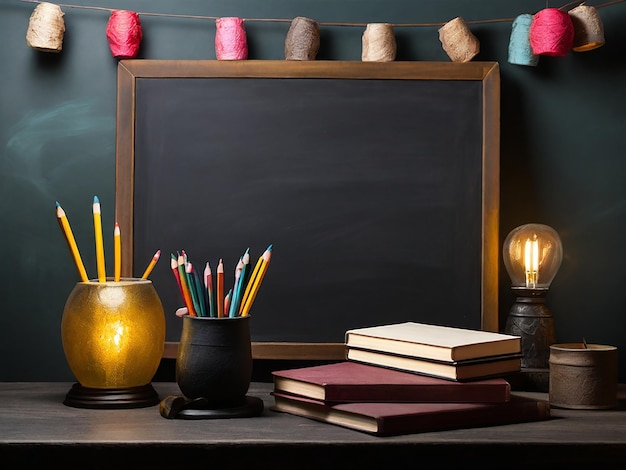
(150, 267)
(267, 255)
(71, 243)
(251, 280)
(97, 226)
(117, 249)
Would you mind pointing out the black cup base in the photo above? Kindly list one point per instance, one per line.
(181, 407)
(114, 398)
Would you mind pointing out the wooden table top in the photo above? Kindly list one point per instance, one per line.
(36, 426)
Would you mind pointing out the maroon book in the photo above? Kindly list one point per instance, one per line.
(387, 419)
(355, 382)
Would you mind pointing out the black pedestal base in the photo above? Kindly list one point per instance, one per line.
(184, 408)
(113, 398)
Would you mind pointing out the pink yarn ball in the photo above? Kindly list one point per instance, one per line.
(230, 39)
(551, 32)
(124, 34)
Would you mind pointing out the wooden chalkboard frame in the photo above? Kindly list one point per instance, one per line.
(487, 73)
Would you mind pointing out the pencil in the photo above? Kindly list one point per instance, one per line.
(97, 226)
(243, 278)
(117, 250)
(233, 300)
(208, 284)
(196, 295)
(253, 276)
(184, 287)
(227, 301)
(267, 256)
(219, 296)
(151, 265)
(71, 243)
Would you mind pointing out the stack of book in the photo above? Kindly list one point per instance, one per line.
(438, 378)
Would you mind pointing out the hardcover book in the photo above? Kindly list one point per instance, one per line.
(440, 343)
(496, 366)
(386, 419)
(355, 382)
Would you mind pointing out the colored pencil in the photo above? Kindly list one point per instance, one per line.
(227, 301)
(71, 242)
(97, 226)
(174, 267)
(117, 250)
(185, 286)
(267, 256)
(251, 279)
(219, 296)
(234, 301)
(194, 288)
(208, 284)
(151, 265)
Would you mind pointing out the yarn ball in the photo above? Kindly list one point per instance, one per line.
(551, 32)
(231, 41)
(124, 34)
(588, 28)
(379, 43)
(46, 28)
(520, 51)
(458, 41)
(303, 39)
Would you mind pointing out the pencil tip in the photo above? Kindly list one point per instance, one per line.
(57, 204)
(96, 200)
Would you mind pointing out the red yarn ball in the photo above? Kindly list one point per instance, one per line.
(124, 34)
(551, 32)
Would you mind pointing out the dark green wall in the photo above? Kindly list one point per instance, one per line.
(563, 131)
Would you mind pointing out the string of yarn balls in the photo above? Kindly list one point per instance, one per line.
(231, 40)
(458, 41)
(124, 34)
(46, 28)
(303, 39)
(551, 32)
(379, 43)
(520, 51)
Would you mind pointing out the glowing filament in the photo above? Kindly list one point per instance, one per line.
(531, 263)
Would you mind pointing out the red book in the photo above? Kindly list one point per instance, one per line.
(387, 419)
(355, 382)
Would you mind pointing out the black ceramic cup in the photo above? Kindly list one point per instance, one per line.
(214, 359)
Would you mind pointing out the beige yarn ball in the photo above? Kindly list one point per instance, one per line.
(379, 43)
(458, 41)
(46, 28)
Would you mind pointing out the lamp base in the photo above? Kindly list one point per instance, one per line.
(112, 398)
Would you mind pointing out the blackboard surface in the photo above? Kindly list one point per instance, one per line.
(376, 191)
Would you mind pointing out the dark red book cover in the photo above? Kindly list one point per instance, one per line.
(387, 419)
(356, 382)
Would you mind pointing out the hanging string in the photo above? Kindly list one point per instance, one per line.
(284, 20)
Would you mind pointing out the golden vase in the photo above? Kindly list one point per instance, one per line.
(113, 337)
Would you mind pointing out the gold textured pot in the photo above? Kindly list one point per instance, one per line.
(113, 337)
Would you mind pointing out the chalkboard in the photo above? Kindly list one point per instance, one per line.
(377, 185)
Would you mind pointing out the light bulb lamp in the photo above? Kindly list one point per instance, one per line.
(532, 255)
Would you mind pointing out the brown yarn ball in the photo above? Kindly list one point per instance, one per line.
(379, 43)
(458, 41)
(588, 28)
(303, 39)
(46, 28)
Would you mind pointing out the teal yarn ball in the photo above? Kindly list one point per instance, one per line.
(520, 50)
